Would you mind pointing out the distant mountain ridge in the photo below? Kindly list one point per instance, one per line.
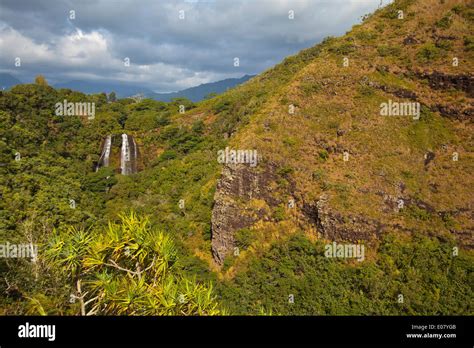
(7, 81)
(91, 87)
(122, 90)
(198, 93)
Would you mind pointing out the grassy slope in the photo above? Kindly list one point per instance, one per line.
(386, 154)
(384, 151)
(180, 163)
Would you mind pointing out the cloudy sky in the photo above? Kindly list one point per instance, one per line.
(166, 51)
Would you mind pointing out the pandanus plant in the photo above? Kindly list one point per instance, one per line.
(127, 269)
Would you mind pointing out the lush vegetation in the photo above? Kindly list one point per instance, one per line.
(127, 269)
(424, 271)
(141, 244)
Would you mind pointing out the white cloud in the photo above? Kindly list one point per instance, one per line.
(166, 53)
(81, 49)
(13, 45)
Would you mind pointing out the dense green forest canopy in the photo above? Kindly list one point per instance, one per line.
(140, 244)
(83, 247)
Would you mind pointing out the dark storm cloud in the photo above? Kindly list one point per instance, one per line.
(166, 52)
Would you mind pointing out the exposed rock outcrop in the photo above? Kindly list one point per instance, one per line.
(398, 92)
(238, 185)
(456, 112)
(335, 226)
(437, 80)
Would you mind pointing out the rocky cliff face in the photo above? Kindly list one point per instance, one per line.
(238, 186)
(333, 225)
(402, 174)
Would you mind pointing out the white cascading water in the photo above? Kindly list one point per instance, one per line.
(104, 158)
(125, 157)
(134, 155)
(108, 145)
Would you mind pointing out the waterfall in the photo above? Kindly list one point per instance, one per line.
(135, 158)
(104, 157)
(108, 145)
(128, 155)
(125, 157)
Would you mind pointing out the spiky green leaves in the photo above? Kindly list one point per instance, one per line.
(128, 269)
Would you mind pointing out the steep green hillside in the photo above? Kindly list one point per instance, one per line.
(331, 168)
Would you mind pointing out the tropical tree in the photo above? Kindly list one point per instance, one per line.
(127, 269)
(112, 97)
(41, 81)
